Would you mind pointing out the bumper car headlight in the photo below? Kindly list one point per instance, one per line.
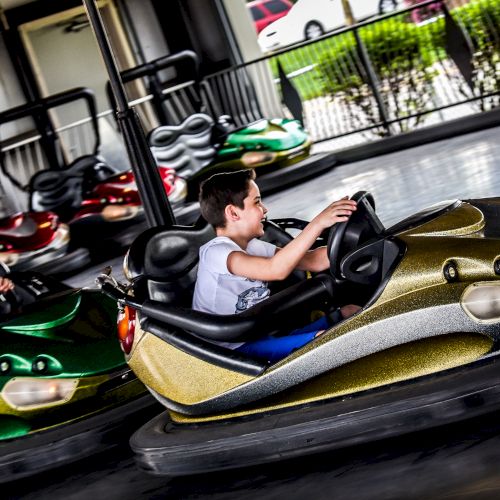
(255, 158)
(481, 301)
(29, 393)
(113, 213)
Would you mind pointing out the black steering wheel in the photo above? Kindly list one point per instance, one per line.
(345, 237)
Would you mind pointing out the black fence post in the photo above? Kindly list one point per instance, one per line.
(372, 80)
(154, 88)
(291, 97)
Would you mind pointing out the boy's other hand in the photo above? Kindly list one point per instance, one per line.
(5, 285)
(338, 211)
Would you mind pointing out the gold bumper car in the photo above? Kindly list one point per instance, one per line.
(422, 352)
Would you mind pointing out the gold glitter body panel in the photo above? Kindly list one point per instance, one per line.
(430, 246)
(177, 375)
(394, 365)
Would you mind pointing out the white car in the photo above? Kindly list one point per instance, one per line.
(309, 19)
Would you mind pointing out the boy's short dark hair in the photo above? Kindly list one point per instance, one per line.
(220, 190)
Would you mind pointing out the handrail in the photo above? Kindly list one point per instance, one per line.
(53, 101)
(151, 69)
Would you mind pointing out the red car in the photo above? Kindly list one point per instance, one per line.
(265, 12)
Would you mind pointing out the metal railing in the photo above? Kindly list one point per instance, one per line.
(25, 158)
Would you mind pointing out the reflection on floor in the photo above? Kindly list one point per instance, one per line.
(405, 181)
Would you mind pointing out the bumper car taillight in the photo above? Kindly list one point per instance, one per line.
(126, 328)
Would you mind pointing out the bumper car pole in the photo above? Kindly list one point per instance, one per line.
(154, 199)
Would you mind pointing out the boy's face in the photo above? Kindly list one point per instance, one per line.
(252, 216)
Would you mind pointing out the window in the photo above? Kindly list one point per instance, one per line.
(276, 6)
(256, 13)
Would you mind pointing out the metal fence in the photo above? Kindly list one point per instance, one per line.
(25, 158)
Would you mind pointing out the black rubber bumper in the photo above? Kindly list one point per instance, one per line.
(164, 448)
(44, 450)
(311, 166)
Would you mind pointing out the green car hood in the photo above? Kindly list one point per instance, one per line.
(44, 322)
(278, 134)
(74, 333)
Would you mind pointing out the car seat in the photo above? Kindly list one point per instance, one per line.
(162, 265)
(62, 191)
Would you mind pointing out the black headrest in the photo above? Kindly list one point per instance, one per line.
(62, 190)
(165, 253)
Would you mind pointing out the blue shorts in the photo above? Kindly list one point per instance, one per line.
(275, 348)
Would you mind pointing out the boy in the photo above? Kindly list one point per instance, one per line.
(235, 266)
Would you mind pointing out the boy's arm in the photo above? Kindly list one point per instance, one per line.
(289, 257)
(314, 260)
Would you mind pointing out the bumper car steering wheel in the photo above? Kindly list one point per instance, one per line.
(346, 237)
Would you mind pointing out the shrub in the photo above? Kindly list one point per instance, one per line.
(481, 21)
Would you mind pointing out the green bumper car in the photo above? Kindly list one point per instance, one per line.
(422, 352)
(278, 150)
(65, 390)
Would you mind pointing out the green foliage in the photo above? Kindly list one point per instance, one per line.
(481, 20)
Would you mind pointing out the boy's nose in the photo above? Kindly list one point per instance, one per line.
(264, 209)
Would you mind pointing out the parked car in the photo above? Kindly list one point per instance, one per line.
(265, 12)
(425, 13)
(309, 19)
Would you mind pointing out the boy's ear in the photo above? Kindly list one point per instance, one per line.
(231, 213)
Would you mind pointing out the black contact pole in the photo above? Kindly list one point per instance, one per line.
(372, 81)
(154, 199)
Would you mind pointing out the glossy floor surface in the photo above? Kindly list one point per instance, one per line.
(456, 462)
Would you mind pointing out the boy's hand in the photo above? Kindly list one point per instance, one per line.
(338, 211)
(5, 285)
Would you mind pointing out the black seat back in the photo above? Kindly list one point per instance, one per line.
(187, 147)
(62, 191)
(164, 261)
